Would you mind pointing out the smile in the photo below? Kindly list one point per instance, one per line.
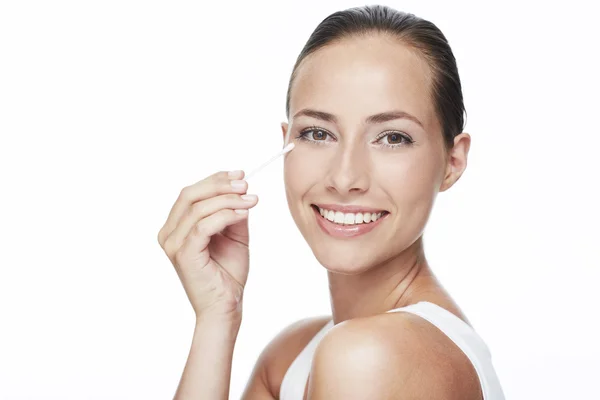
(347, 221)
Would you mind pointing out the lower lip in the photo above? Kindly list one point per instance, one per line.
(345, 231)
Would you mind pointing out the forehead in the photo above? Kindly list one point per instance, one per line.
(361, 76)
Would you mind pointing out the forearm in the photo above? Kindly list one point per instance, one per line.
(207, 373)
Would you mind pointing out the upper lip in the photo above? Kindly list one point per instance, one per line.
(349, 209)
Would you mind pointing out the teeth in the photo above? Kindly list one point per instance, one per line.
(338, 217)
(349, 219)
(330, 215)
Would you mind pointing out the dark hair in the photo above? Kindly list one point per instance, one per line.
(416, 32)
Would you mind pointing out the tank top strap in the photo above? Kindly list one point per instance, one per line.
(296, 376)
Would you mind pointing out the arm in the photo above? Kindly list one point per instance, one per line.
(206, 239)
(207, 372)
(373, 359)
(258, 386)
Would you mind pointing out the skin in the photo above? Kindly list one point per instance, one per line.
(375, 355)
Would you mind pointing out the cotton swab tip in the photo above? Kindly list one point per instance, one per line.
(287, 148)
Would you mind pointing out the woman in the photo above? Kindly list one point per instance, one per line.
(375, 110)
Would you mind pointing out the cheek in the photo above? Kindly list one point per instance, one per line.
(411, 183)
(301, 171)
(411, 175)
(302, 168)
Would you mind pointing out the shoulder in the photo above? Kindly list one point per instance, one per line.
(281, 351)
(391, 355)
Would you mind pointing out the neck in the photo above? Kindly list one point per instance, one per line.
(393, 284)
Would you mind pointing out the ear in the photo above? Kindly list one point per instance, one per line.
(284, 129)
(456, 160)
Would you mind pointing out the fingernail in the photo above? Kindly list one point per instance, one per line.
(241, 211)
(234, 174)
(237, 184)
(249, 197)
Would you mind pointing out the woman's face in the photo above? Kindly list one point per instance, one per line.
(366, 136)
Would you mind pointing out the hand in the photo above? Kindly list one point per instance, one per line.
(206, 239)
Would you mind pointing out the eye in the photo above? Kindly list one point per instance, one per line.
(394, 139)
(314, 134)
(318, 134)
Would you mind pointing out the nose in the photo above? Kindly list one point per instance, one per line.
(348, 171)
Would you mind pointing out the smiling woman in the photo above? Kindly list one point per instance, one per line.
(376, 114)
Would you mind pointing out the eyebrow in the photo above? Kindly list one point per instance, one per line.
(373, 119)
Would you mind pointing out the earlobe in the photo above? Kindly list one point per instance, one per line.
(457, 160)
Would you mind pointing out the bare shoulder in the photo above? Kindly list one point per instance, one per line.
(400, 355)
(279, 354)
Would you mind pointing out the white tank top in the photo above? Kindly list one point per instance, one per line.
(294, 380)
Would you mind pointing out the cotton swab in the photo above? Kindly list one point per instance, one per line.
(286, 149)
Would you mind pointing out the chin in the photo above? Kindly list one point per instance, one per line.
(347, 258)
(343, 263)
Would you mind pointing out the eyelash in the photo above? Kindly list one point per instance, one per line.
(407, 139)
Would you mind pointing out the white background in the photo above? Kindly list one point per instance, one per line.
(109, 108)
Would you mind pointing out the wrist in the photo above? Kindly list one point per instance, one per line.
(223, 322)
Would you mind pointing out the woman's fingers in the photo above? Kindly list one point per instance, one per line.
(222, 182)
(194, 245)
(201, 210)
